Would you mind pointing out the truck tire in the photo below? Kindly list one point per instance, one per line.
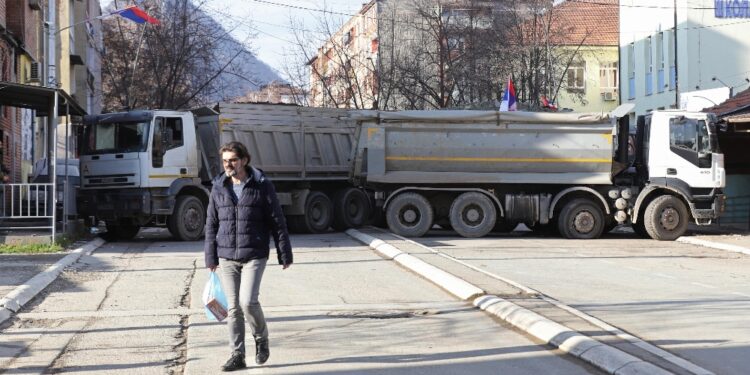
(188, 220)
(120, 231)
(472, 215)
(351, 208)
(410, 215)
(581, 219)
(666, 218)
(318, 213)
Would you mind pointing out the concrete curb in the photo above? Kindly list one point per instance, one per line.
(14, 301)
(714, 245)
(603, 356)
(452, 284)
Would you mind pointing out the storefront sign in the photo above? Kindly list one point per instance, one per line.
(731, 9)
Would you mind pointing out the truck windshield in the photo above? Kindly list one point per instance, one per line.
(115, 137)
(692, 135)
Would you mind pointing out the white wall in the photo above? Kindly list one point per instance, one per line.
(707, 47)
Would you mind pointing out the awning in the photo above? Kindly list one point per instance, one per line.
(38, 98)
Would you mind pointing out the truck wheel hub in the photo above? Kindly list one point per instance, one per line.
(192, 221)
(669, 219)
(410, 216)
(472, 216)
(584, 222)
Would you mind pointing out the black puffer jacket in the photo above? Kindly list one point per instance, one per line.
(239, 230)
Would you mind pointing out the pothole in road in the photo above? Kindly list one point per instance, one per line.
(382, 314)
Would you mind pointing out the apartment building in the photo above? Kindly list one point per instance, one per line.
(343, 72)
(667, 67)
(24, 57)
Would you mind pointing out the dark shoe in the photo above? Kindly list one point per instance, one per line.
(235, 362)
(261, 351)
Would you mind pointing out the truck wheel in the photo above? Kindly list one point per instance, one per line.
(318, 213)
(666, 218)
(188, 220)
(410, 215)
(581, 219)
(472, 215)
(351, 208)
(120, 231)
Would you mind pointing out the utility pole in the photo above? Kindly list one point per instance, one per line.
(676, 58)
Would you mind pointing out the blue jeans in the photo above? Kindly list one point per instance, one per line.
(241, 284)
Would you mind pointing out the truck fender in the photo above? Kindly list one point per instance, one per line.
(676, 186)
(567, 191)
(417, 188)
(179, 185)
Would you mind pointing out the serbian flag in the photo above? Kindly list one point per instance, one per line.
(138, 15)
(509, 98)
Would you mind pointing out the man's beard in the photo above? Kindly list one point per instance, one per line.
(231, 172)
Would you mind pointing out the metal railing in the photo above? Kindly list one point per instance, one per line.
(27, 203)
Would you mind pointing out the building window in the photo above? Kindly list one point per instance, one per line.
(576, 77)
(608, 81)
(608, 76)
(631, 71)
(649, 64)
(660, 82)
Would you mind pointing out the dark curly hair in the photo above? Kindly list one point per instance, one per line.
(236, 147)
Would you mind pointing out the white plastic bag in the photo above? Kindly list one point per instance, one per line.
(214, 300)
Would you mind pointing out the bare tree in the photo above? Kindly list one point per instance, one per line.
(181, 62)
(447, 54)
(340, 66)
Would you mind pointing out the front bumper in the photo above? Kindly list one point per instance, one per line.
(114, 205)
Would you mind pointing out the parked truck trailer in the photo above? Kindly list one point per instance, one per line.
(479, 171)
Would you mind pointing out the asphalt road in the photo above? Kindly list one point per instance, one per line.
(135, 307)
(689, 300)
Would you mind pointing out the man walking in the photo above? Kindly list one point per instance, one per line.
(242, 211)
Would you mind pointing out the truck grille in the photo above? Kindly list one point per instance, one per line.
(109, 180)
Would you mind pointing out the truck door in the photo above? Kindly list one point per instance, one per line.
(169, 154)
(693, 155)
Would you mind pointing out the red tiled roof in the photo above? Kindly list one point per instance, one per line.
(735, 104)
(596, 20)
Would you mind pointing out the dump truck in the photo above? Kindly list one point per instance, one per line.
(154, 167)
(572, 173)
(472, 171)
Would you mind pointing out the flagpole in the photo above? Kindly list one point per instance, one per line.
(135, 63)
